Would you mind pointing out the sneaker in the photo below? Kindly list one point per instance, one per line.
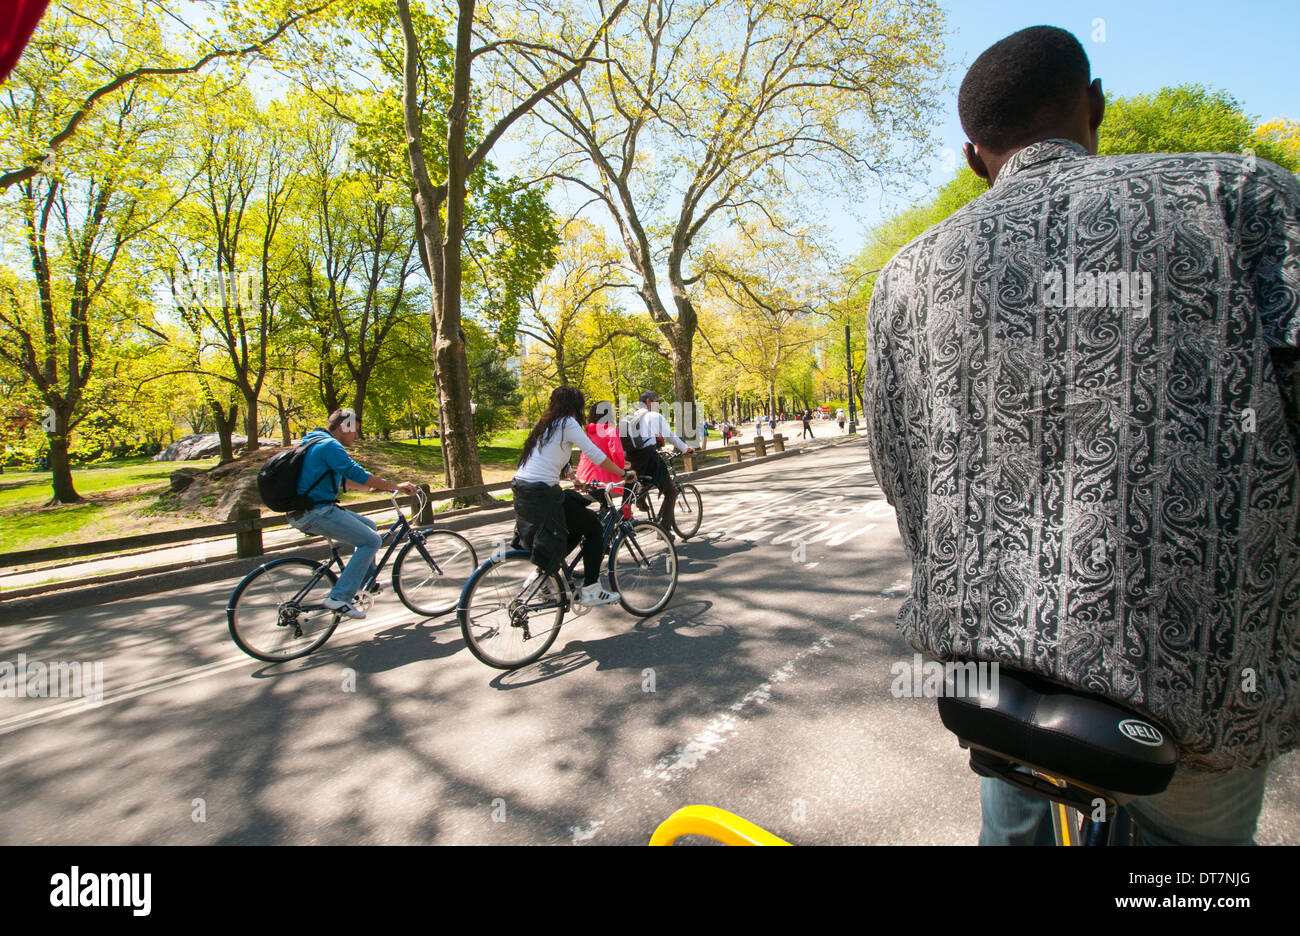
(344, 607)
(593, 594)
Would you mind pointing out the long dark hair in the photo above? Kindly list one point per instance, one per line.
(565, 402)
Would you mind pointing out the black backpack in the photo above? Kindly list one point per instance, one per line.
(277, 482)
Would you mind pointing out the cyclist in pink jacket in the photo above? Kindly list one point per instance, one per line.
(602, 428)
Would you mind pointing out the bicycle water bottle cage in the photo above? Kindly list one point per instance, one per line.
(1086, 745)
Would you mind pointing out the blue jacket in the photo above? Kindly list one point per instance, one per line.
(324, 468)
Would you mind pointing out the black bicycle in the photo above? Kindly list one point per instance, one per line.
(277, 612)
(688, 512)
(510, 613)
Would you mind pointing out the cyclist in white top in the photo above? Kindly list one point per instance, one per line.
(643, 432)
(543, 463)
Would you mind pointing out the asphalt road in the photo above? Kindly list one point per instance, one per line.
(764, 689)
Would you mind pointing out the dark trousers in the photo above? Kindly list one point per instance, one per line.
(652, 466)
(584, 525)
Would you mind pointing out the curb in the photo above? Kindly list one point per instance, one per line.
(56, 596)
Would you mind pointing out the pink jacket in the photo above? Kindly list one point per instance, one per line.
(606, 438)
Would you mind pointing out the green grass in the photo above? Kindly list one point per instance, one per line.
(32, 488)
(36, 529)
(124, 494)
(501, 450)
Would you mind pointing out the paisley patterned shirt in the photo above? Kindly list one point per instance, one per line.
(1083, 401)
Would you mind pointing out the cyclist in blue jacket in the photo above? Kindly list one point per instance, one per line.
(328, 470)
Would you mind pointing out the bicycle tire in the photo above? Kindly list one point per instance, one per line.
(430, 591)
(263, 620)
(643, 568)
(688, 512)
(498, 629)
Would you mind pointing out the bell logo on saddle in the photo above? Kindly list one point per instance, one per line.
(1141, 732)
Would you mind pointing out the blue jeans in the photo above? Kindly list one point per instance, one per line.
(333, 521)
(1196, 809)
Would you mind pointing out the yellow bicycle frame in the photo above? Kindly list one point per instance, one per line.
(717, 824)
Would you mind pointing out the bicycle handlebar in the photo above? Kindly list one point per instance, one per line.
(420, 502)
(629, 487)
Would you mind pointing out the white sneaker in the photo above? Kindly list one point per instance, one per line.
(593, 594)
(344, 607)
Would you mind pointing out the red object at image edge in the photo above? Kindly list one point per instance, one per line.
(16, 28)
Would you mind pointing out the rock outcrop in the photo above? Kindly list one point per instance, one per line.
(206, 445)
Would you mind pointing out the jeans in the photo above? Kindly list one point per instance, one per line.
(333, 521)
(1196, 809)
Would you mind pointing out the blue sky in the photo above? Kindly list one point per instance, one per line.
(1247, 49)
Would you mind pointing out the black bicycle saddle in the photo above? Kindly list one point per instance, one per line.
(1082, 739)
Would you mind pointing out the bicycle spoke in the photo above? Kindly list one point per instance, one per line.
(432, 585)
(511, 616)
(643, 569)
(267, 622)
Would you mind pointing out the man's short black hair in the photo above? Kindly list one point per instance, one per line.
(1020, 86)
(649, 395)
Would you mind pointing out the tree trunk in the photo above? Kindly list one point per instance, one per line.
(60, 465)
(285, 435)
(329, 388)
(250, 422)
(359, 401)
(225, 429)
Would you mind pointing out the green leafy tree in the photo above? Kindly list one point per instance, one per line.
(722, 113)
(81, 214)
(1186, 119)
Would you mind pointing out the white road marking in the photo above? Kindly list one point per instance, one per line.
(716, 732)
(582, 835)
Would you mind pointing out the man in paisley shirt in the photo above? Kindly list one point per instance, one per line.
(1082, 403)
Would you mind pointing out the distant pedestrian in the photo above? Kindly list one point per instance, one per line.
(807, 425)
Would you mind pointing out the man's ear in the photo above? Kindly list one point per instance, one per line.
(975, 162)
(1096, 106)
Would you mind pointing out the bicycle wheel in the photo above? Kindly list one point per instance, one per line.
(643, 568)
(275, 613)
(688, 512)
(509, 612)
(433, 588)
